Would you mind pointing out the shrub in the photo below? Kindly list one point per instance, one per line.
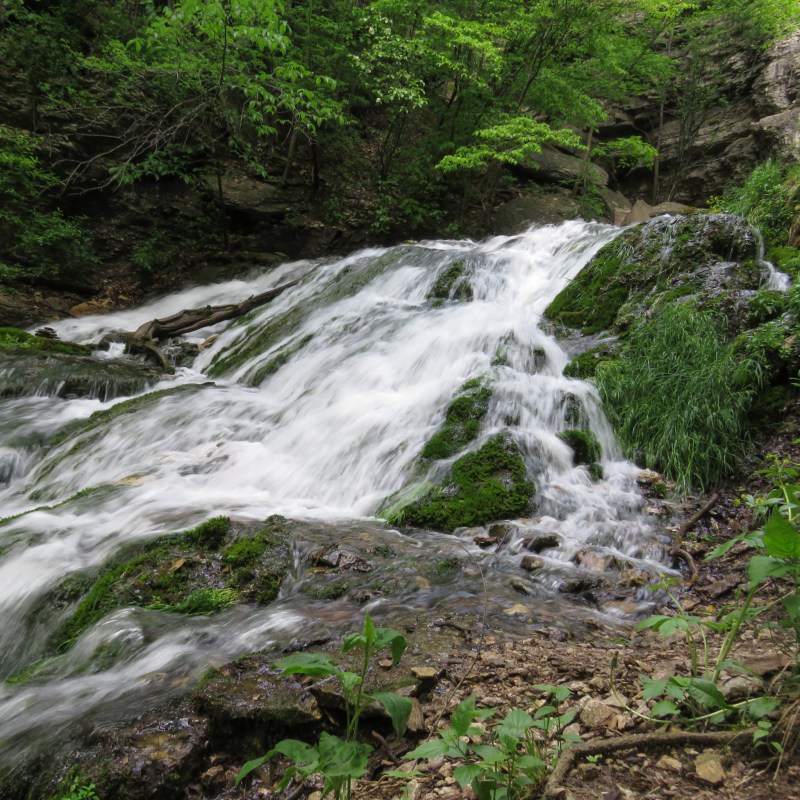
(36, 243)
(679, 397)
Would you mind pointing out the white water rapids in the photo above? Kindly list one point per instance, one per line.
(363, 368)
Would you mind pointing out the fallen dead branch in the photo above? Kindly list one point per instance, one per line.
(566, 761)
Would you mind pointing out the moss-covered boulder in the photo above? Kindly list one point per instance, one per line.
(213, 566)
(584, 444)
(451, 284)
(462, 421)
(38, 364)
(488, 484)
(710, 257)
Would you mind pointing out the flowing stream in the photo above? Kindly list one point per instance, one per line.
(314, 407)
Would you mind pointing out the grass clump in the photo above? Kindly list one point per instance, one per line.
(679, 396)
(211, 533)
(487, 484)
(201, 602)
(461, 423)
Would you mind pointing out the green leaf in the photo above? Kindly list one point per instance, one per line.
(432, 749)
(249, 767)
(531, 762)
(295, 750)
(760, 707)
(515, 724)
(706, 693)
(398, 708)
(467, 773)
(652, 688)
(463, 715)
(490, 754)
(763, 567)
(386, 637)
(338, 758)
(314, 664)
(664, 708)
(781, 538)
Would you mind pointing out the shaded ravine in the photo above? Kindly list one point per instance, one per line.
(315, 407)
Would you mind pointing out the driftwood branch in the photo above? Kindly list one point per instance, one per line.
(553, 787)
(192, 319)
(677, 538)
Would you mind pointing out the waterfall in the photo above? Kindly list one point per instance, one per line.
(315, 407)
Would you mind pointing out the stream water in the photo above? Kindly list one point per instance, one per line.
(315, 407)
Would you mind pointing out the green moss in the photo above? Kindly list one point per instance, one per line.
(447, 566)
(276, 362)
(596, 472)
(328, 591)
(653, 265)
(13, 339)
(211, 533)
(450, 284)
(187, 574)
(584, 444)
(462, 422)
(585, 364)
(488, 484)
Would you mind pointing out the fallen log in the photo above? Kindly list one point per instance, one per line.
(192, 319)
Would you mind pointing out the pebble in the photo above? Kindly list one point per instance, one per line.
(708, 767)
(669, 763)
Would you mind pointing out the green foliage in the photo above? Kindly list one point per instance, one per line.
(628, 152)
(462, 422)
(13, 339)
(200, 602)
(678, 398)
(340, 761)
(77, 791)
(487, 484)
(35, 242)
(766, 199)
(509, 759)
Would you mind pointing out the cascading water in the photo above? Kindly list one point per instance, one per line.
(314, 407)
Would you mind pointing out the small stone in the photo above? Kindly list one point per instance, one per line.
(517, 608)
(596, 714)
(531, 563)
(708, 767)
(669, 763)
(523, 587)
(385, 663)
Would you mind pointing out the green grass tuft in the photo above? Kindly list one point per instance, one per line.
(679, 396)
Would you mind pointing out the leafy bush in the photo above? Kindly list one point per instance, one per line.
(37, 243)
(765, 200)
(679, 397)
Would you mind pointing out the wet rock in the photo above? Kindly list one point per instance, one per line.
(524, 587)
(248, 700)
(541, 541)
(593, 561)
(531, 563)
(723, 586)
(579, 585)
(708, 768)
(634, 576)
(335, 557)
(502, 532)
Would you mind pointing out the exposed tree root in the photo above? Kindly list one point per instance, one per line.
(677, 539)
(568, 756)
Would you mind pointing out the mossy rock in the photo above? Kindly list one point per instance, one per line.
(451, 284)
(34, 364)
(462, 422)
(198, 572)
(585, 364)
(487, 484)
(709, 256)
(584, 444)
